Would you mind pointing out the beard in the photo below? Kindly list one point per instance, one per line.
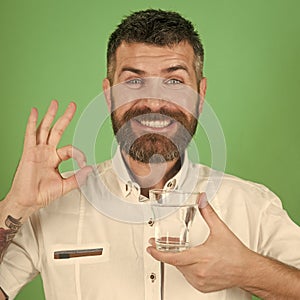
(153, 147)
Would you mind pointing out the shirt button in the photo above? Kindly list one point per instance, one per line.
(152, 277)
(151, 222)
(171, 184)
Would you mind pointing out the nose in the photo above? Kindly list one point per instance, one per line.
(154, 104)
(154, 94)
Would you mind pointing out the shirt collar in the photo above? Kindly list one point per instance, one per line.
(131, 189)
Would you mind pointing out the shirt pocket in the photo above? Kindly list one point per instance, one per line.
(91, 253)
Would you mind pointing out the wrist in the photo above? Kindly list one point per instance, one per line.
(252, 270)
(13, 206)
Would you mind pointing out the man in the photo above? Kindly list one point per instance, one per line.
(83, 251)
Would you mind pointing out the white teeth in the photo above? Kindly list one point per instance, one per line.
(156, 124)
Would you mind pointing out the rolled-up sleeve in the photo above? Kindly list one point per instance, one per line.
(20, 263)
(279, 235)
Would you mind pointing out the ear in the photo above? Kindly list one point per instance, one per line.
(107, 92)
(202, 93)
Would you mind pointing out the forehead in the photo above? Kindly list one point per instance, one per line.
(153, 58)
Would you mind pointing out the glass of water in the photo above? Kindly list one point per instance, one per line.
(173, 214)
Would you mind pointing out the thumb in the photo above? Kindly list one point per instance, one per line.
(77, 179)
(208, 213)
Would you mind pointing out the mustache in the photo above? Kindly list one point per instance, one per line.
(138, 112)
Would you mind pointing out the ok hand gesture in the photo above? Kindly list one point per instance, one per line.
(37, 181)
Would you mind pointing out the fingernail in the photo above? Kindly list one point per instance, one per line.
(203, 201)
(151, 242)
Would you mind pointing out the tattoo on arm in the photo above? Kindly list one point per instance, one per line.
(7, 235)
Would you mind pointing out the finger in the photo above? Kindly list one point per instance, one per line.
(209, 215)
(69, 151)
(76, 180)
(152, 242)
(79, 178)
(30, 134)
(183, 258)
(45, 125)
(202, 200)
(61, 124)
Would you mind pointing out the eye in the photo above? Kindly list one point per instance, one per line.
(173, 81)
(135, 82)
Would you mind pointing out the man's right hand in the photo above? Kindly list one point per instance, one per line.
(37, 181)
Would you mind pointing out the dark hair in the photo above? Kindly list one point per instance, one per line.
(154, 27)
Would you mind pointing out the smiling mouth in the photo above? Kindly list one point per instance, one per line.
(156, 121)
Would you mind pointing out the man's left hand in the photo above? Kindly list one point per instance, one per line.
(219, 263)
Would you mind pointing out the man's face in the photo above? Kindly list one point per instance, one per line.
(153, 129)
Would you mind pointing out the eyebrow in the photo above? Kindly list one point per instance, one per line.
(175, 68)
(167, 70)
(132, 70)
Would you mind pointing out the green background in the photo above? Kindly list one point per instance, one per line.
(56, 49)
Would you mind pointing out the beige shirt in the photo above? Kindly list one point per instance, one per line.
(119, 224)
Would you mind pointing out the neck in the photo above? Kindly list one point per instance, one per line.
(151, 175)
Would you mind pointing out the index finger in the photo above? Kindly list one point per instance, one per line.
(61, 124)
(30, 134)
